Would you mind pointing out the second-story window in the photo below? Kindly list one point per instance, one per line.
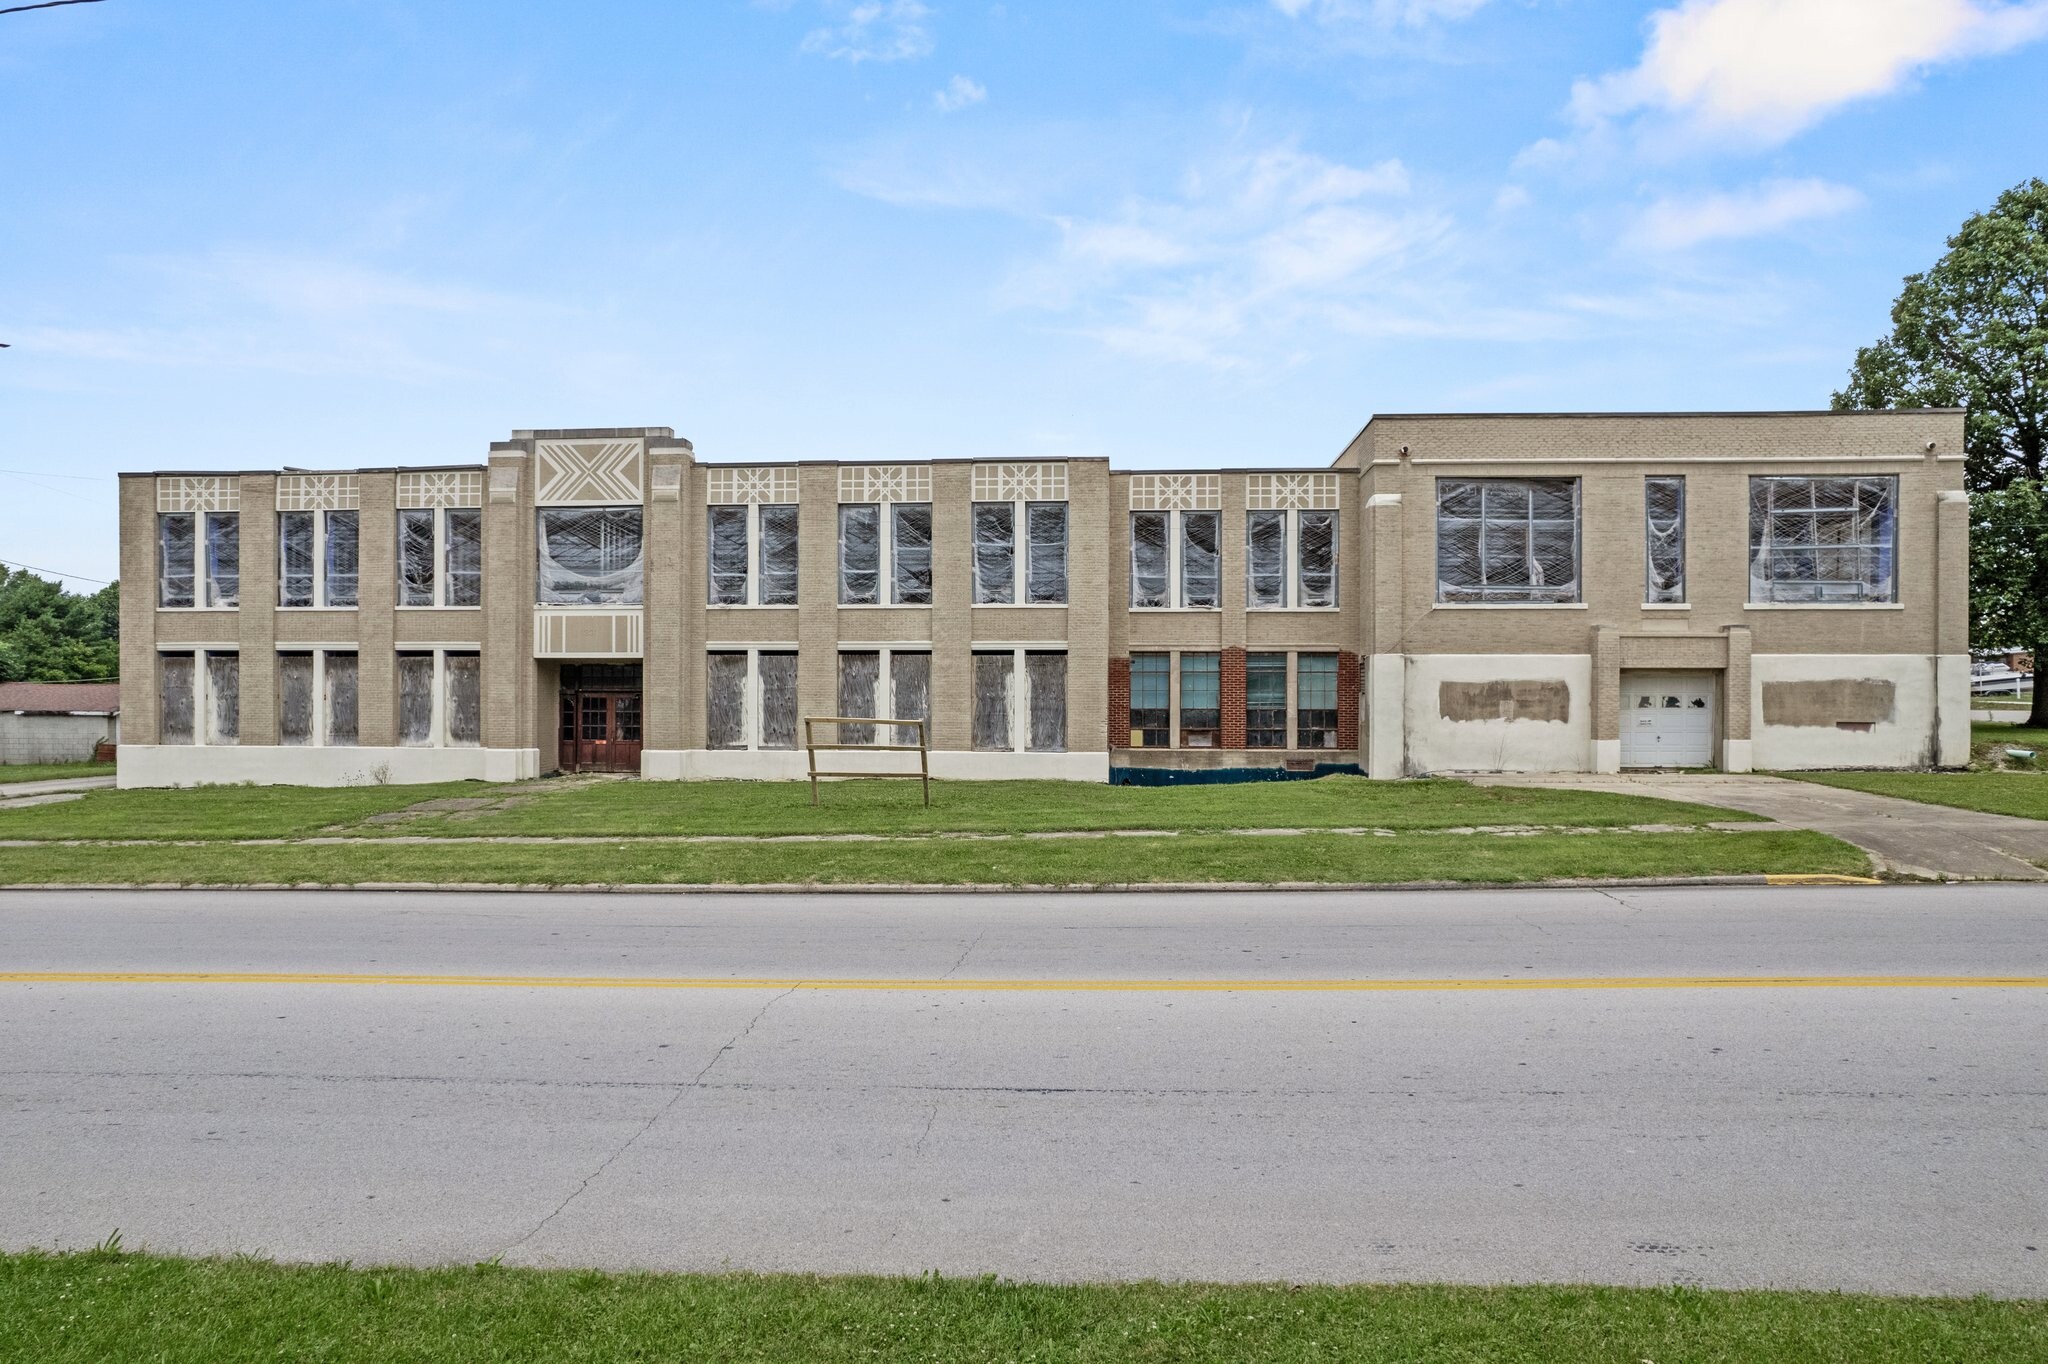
(185, 541)
(318, 558)
(1290, 559)
(1664, 541)
(1175, 561)
(440, 556)
(1507, 541)
(1823, 540)
(739, 576)
(1001, 576)
(590, 556)
(898, 534)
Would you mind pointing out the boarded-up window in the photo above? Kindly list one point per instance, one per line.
(911, 529)
(464, 532)
(1045, 677)
(910, 681)
(778, 700)
(416, 557)
(223, 559)
(1316, 533)
(174, 571)
(1507, 540)
(725, 700)
(1663, 540)
(727, 584)
(464, 700)
(1150, 562)
(1151, 700)
(1201, 564)
(295, 558)
(295, 698)
(224, 698)
(992, 683)
(416, 700)
(860, 554)
(1201, 699)
(778, 556)
(1823, 539)
(175, 680)
(343, 557)
(1265, 560)
(590, 556)
(1045, 570)
(995, 553)
(859, 675)
(1315, 701)
(1265, 700)
(342, 709)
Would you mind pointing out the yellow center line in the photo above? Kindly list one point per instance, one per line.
(978, 986)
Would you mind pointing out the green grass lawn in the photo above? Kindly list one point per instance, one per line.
(113, 1308)
(14, 772)
(938, 861)
(218, 811)
(1998, 792)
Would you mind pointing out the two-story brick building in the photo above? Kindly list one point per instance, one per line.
(1452, 593)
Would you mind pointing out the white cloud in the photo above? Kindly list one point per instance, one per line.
(1765, 69)
(1385, 13)
(958, 94)
(875, 31)
(1673, 224)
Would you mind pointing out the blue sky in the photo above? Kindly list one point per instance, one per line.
(339, 233)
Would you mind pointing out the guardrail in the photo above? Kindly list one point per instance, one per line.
(922, 748)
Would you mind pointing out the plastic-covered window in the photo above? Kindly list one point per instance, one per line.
(174, 692)
(343, 557)
(1151, 700)
(416, 557)
(1823, 540)
(174, 572)
(1664, 539)
(1317, 535)
(859, 675)
(1265, 558)
(1201, 699)
(910, 680)
(728, 548)
(224, 693)
(725, 700)
(465, 700)
(342, 675)
(223, 559)
(590, 556)
(778, 700)
(295, 698)
(778, 556)
(992, 681)
(464, 530)
(1315, 701)
(1045, 676)
(1149, 559)
(1507, 540)
(416, 700)
(1045, 569)
(911, 580)
(295, 558)
(1265, 700)
(995, 553)
(860, 554)
(1201, 566)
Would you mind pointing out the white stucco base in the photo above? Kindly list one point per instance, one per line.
(194, 765)
(1435, 744)
(699, 764)
(1386, 730)
(1735, 755)
(1606, 755)
(1907, 739)
(1952, 702)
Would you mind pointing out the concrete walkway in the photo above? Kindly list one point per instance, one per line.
(1903, 836)
(16, 794)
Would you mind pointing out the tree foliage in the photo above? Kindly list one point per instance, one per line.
(2009, 575)
(50, 635)
(1972, 332)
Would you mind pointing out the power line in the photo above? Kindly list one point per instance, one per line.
(40, 473)
(79, 577)
(46, 4)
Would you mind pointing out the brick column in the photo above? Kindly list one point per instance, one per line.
(1230, 696)
(1347, 700)
(1119, 712)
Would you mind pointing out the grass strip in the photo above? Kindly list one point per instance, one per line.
(115, 1307)
(1478, 858)
(11, 773)
(2023, 794)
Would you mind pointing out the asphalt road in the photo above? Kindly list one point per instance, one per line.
(1863, 1136)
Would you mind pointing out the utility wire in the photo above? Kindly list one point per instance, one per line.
(47, 4)
(39, 473)
(79, 577)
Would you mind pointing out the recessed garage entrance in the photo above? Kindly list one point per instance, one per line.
(1667, 719)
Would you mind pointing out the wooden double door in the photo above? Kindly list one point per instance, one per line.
(600, 730)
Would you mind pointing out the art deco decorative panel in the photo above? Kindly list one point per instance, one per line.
(442, 488)
(1291, 492)
(198, 494)
(885, 483)
(1176, 492)
(742, 487)
(1020, 483)
(579, 632)
(318, 492)
(587, 473)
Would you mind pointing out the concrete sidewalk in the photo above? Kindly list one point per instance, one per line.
(14, 795)
(1902, 836)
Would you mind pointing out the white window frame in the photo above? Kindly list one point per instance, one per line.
(1176, 536)
(1020, 692)
(320, 559)
(321, 718)
(437, 711)
(753, 601)
(202, 565)
(202, 696)
(750, 696)
(1290, 590)
(1020, 552)
(441, 576)
(885, 572)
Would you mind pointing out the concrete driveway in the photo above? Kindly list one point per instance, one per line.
(1903, 836)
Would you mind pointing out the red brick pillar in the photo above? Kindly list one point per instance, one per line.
(1230, 697)
(1119, 703)
(1347, 700)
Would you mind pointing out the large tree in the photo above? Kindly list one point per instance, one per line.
(50, 635)
(1972, 332)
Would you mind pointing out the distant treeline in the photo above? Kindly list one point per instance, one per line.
(50, 635)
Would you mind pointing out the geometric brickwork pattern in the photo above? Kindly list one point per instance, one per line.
(442, 488)
(1176, 492)
(587, 473)
(885, 483)
(573, 632)
(729, 487)
(1020, 483)
(318, 492)
(198, 495)
(1291, 492)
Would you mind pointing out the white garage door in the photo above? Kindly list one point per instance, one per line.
(1667, 719)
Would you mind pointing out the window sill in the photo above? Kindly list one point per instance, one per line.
(403, 608)
(1667, 606)
(1292, 610)
(1509, 606)
(1824, 606)
(589, 606)
(293, 609)
(1175, 610)
(885, 606)
(749, 606)
(201, 610)
(1020, 605)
